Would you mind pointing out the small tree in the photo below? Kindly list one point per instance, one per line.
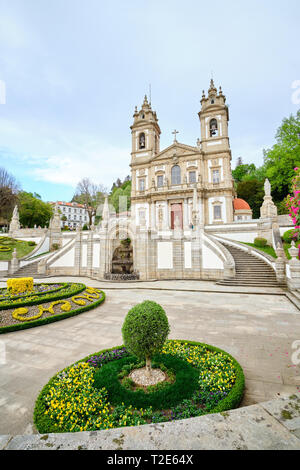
(145, 330)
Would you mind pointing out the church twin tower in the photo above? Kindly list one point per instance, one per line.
(166, 184)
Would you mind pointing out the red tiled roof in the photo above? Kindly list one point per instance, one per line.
(240, 204)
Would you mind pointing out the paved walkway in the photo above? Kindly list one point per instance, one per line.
(258, 329)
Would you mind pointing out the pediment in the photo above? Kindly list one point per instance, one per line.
(176, 150)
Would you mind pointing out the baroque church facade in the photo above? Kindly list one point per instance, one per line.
(182, 201)
(166, 183)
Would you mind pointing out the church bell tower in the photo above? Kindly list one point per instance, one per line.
(214, 117)
(145, 133)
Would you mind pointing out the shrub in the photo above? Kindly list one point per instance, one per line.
(55, 246)
(290, 235)
(17, 286)
(31, 243)
(165, 397)
(260, 242)
(145, 330)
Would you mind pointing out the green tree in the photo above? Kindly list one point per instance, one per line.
(283, 157)
(123, 190)
(253, 192)
(33, 211)
(8, 194)
(90, 195)
(145, 329)
(243, 170)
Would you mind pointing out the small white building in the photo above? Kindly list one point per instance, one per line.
(72, 214)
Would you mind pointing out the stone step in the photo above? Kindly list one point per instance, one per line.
(250, 270)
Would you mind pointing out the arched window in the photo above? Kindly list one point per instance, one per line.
(213, 128)
(142, 140)
(175, 175)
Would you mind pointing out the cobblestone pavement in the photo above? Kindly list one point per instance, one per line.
(258, 329)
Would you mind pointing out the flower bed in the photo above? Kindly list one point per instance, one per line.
(90, 394)
(46, 305)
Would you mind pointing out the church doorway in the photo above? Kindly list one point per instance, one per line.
(176, 216)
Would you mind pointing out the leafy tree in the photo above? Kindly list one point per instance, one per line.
(33, 211)
(283, 157)
(243, 170)
(9, 189)
(90, 195)
(253, 192)
(123, 190)
(145, 330)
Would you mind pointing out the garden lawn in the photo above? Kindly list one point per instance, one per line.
(23, 248)
(266, 249)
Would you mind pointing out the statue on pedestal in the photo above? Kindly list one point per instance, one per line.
(268, 209)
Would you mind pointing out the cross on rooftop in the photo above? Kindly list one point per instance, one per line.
(175, 132)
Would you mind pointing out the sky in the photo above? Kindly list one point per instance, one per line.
(72, 72)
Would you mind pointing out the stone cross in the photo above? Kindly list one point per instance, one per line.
(175, 132)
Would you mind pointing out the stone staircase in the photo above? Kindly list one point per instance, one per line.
(30, 270)
(250, 270)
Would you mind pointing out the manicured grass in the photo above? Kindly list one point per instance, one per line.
(185, 384)
(270, 250)
(23, 248)
(266, 249)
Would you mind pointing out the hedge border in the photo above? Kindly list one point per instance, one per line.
(170, 393)
(63, 285)
(54, 318)
(47, 298)
(233, 399)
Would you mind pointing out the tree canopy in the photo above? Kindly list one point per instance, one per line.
(283, 157)
(90, 195)
(278, 166)
(123, 190)
(9, 189)
(33, 211)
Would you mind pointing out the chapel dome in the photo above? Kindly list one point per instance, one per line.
(240, 204)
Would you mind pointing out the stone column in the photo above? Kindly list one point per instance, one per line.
(294, 281)
(14, 264)
(78, 245)
(280, 265)
(185, 214)
(90, 253)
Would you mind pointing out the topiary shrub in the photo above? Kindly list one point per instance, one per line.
(260, 242)
(31, 243)
(290, 235)
(145, 329)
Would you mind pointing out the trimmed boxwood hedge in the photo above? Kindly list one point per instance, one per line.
(44, 424)
(170, 395)
(50, 291)
(49, 297)
(57, 317)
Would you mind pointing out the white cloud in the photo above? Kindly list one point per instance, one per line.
(102, 165)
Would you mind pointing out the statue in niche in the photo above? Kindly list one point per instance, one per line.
(160, 217)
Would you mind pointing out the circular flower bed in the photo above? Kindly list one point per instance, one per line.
(96, 392)
(46, 303)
